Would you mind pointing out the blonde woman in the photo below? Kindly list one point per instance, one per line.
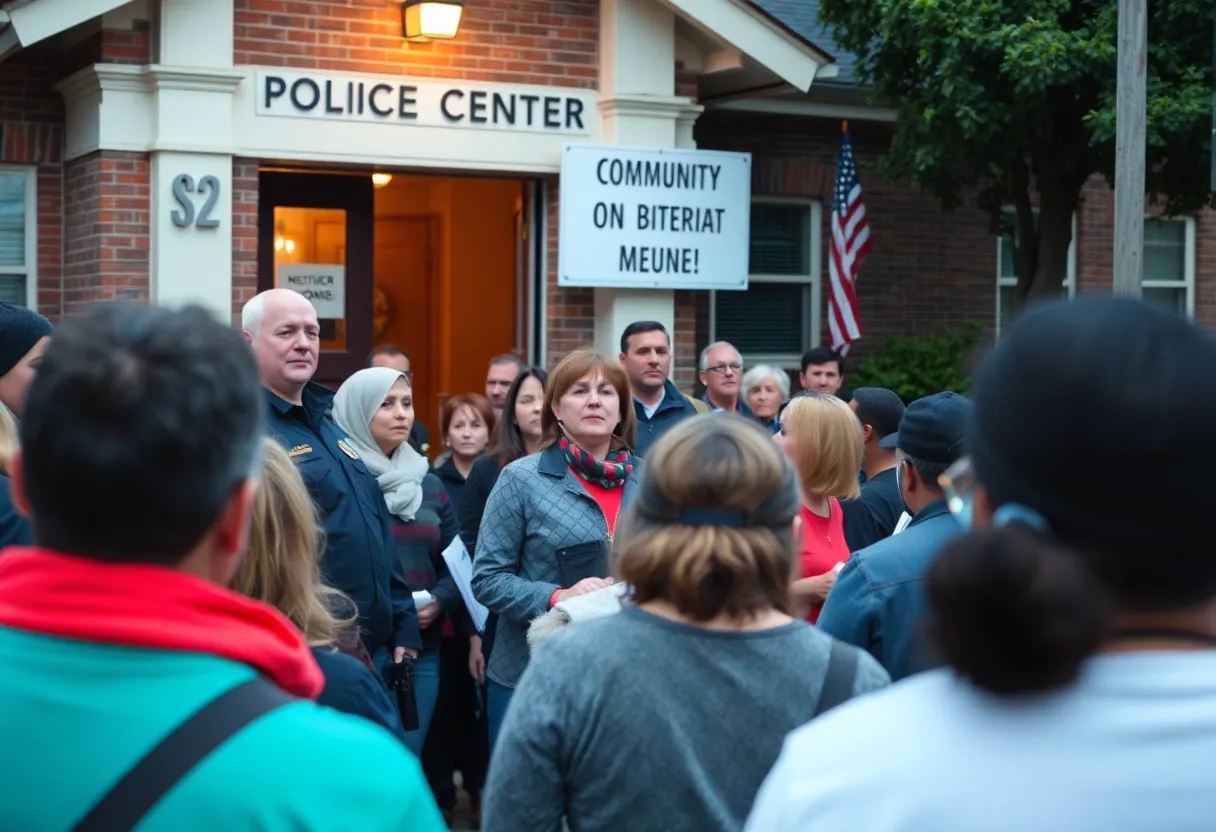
(281, 569)
(823, 438)
(8, 439)
(666, 716)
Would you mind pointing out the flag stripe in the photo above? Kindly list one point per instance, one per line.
(849, 244)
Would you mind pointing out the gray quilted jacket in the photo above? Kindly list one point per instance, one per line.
(539, 521)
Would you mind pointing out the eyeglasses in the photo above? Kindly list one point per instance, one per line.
(722, 368)
(958, 482)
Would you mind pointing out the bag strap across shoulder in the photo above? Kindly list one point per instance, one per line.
(185, 747)
(840, 677)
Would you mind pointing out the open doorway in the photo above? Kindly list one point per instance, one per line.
(450, 288)
(444, 267)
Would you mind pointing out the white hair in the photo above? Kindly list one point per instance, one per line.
(703, 364)
(251, 314)
(763, 372)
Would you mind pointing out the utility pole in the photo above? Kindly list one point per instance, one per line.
(1130, 148)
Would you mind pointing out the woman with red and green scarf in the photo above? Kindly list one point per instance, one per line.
(549, 523)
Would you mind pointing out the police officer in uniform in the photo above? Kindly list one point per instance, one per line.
(23, 336)
(360, 558)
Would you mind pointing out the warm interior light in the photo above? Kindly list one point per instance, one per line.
(379, 180)
(425, 20)
(281, 241)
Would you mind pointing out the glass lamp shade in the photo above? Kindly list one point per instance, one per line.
(431, 19)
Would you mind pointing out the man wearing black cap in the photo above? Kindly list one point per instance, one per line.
(23, 337)
(879, 600)
(872, 516)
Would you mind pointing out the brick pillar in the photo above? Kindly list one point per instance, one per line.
(244, 234)
(107, 217)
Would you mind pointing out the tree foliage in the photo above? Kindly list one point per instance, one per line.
(1015, 100)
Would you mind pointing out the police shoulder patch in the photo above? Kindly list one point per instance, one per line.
(346, 449)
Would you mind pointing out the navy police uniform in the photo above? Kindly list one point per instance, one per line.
(360, 557)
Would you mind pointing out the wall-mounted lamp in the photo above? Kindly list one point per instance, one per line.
(379, 180)
(424, 20)
(282, 242)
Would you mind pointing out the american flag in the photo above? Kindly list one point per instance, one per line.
(849, 246)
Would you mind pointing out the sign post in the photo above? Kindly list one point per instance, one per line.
(1130, 147)
(645, 218)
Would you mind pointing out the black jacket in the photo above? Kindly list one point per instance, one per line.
(360, 555)
(675, 408)
(14, 529)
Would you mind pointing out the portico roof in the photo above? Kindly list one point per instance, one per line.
(26, 22)
(755, 48)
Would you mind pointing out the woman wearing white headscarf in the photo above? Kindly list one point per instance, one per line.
(375, 407)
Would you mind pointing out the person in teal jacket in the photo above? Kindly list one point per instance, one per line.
(140, 437)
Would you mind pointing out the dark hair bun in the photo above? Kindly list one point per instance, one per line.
(1014, 612)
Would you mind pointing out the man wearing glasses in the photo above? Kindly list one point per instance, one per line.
(878, 601)
(394, 358)
(722, 374)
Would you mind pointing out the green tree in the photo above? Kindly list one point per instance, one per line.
(1016, 98)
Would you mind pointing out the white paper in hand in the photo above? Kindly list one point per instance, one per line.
(461, 566)
(422, 598)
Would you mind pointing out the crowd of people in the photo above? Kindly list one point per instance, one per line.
(234, 598)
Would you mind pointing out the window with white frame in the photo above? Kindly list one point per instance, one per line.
(1006, 271)
(777, 317)
(18, 234)
(1169, 263)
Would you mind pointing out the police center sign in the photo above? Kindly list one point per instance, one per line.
(641, 218)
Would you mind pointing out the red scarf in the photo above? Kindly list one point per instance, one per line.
(151, 606)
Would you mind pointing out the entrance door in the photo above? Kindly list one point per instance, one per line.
(315, 236)
(404, 269)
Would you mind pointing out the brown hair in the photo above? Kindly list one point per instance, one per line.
(576, 365)
(281, 566)
(828, 444)
(717, 462)
(480, 405)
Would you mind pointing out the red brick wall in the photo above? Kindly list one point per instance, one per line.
(108, 218)
(31, 133)
(928, 269)
(545, 42)
(1205, 267)
(569, 312)
(244, 234)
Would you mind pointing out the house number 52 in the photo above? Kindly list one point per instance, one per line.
(185, 214)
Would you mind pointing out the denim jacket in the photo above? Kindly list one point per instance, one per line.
(878, 601)
(538, 520)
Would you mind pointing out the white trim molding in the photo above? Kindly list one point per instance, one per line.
(28, 271)
(38, 20)
(811, 109)
(1186, 282)
(741, 25)
(149, 108)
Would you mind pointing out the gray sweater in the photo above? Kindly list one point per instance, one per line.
(634, 722)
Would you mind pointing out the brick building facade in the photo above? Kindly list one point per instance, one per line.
(108, 106)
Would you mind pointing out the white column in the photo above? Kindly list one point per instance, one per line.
(637, 82)
(192, 84)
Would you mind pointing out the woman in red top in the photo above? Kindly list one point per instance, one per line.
(824, 440)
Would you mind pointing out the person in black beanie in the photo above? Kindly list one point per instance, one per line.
(1077, 619)
(23, 337)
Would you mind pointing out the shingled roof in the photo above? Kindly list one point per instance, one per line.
(803, 17)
